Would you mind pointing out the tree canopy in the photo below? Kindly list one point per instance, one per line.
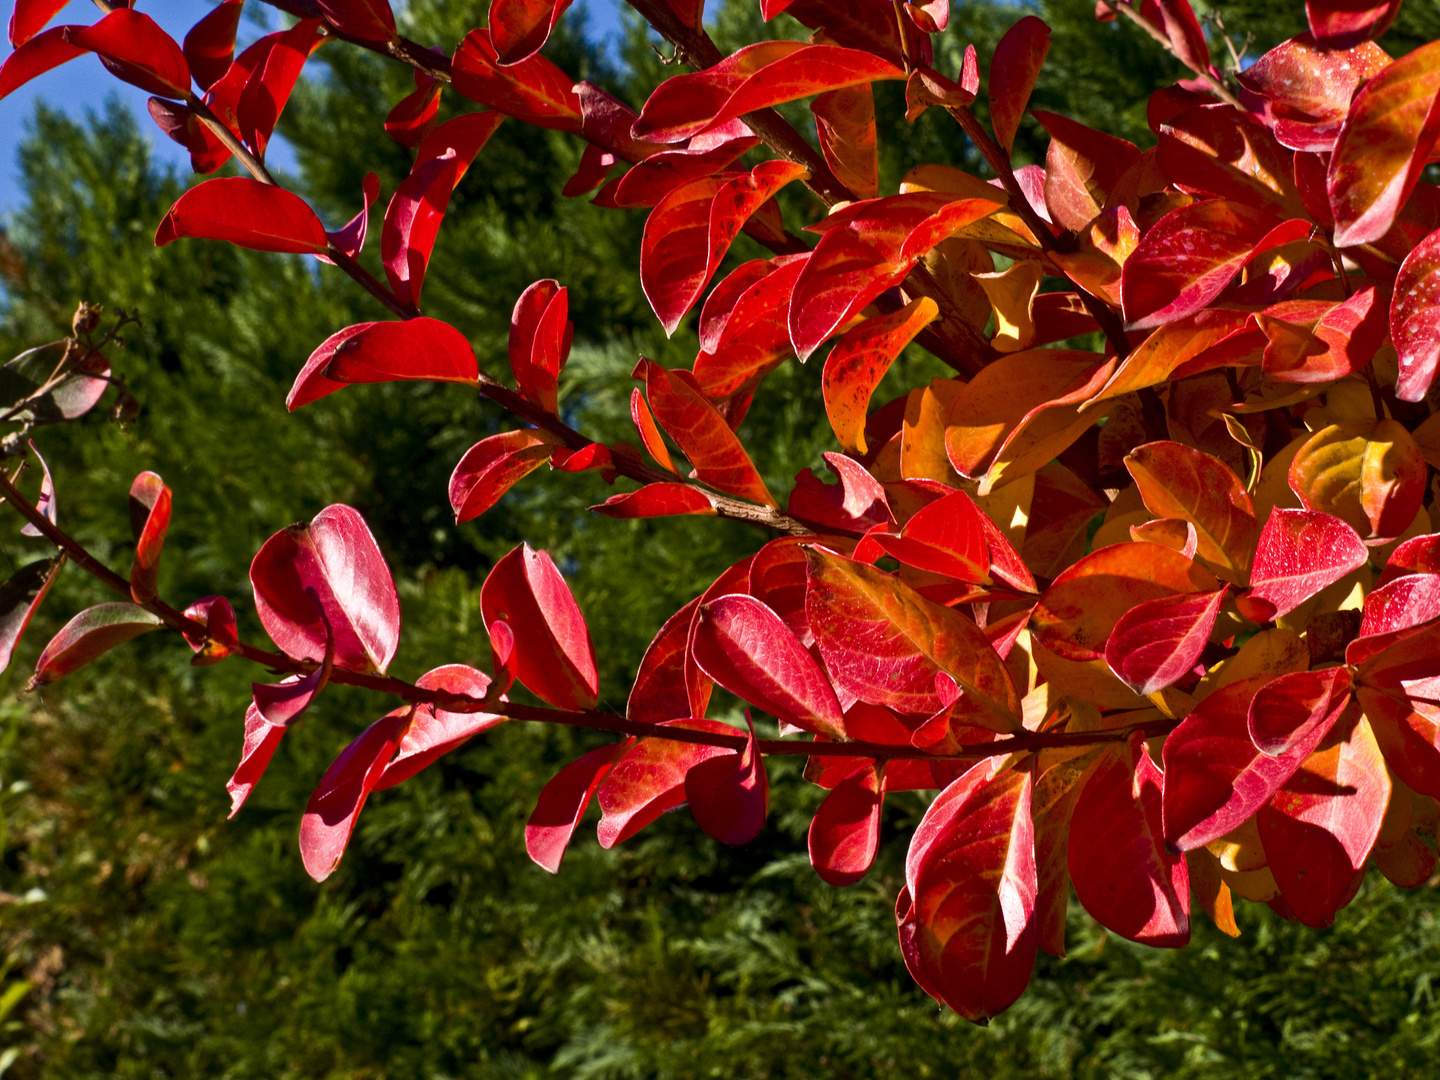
(146, 936)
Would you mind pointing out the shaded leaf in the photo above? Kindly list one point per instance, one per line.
(92, 633)
(562, 804)
(845, 832)
(1122, 872)
(493, 466)
(554, 656)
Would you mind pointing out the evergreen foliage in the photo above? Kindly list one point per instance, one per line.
(144, 936)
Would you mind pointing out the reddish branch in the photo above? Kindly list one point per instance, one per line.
(596, 720)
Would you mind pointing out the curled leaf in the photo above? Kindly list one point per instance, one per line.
(149, 520)
(92, 633)
(554, 656)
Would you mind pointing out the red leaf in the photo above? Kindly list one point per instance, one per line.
(714, 450)
(272, 81)
(945, 537)
(1341, 24)
(1400, 604)
(435, 731)
(747, 648)
(649, 433)
(534, 90)
(540, 336)
(649, 181)
(1341, 341)
(751, 338)
(1188, 258)
(350, 237)
(45, 501)
(1392, 127)
(758, 76)
(368, 20)
(335, 805)
(1079, 611)
(1415, 319)
(843, 275)
(210, 45)
(149, 519)
(412, 220)
(657, 500)
(857, 503)
(37, 56)
(179, 122)
(926, 88)
(1122, 872)
(1215, 778)
(845, 832)
(282, 703)
(885, 643)
(650, 779)
(1177, 481)
(1299, 553)
(845, 125)
(1418, 555)
(493, 466)
(661, 690)
(311, 384)
(261, 742)
(1013, 70)
(691, 229)
(554, 656)
(726, 297)
(519, 27)
(1286, 712)
(135, 50)
(1313, 87)
(1320, 827)
(92, 633)
(777, 580)
(1082, 168)
(729, 794)
(221, 637)
(31, 16)
(1177, 19)
(1157, 643)
(860, 360)
(20, 597)
(1219, 150)
(972, 927)
(223, 97)
(245, 212)
(562, 804)
(1398, 686)
(336, 556)
(388, 351)
(415, 115)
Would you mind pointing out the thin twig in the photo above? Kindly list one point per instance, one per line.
(594, 719)
(1215, 86)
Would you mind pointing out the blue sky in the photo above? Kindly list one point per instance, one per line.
(83, 84)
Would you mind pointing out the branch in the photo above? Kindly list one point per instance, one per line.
(594, 719)
(725, 505)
